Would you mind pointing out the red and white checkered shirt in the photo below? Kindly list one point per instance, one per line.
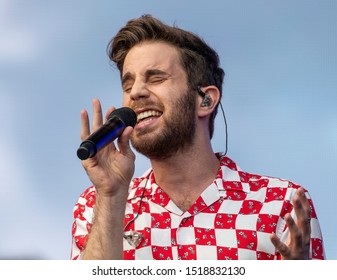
(232, 219)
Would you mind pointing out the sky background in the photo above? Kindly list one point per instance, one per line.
(280, 97)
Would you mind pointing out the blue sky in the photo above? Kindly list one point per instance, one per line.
(280, 96)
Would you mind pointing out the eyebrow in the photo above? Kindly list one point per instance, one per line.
(154, 72)
(126, 77)
(151, 72)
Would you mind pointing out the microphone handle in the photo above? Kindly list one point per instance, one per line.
(111, 130)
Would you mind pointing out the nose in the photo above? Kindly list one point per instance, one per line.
(139, 91)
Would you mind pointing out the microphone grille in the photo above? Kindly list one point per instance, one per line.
(126, 114)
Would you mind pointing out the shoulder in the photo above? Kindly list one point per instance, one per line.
(138, 184)
(274, 187)
(87, 197)
(83, 208)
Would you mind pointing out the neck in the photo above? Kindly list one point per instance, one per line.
(185, 175)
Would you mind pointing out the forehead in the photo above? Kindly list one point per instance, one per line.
(152, 55)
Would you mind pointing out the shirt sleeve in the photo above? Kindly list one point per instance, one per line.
(83, 215)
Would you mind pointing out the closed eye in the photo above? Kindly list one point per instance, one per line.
(155, 76)
(127, 82)
(127, 90)
(156, 79)
(127, 87)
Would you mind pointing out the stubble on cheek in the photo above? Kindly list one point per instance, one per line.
(177, 131)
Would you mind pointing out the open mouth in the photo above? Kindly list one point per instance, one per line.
(145, 115)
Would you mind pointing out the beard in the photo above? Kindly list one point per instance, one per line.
(176, 134)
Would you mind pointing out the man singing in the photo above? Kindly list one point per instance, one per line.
(193, 203)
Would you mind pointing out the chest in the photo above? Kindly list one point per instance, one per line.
(232, 227)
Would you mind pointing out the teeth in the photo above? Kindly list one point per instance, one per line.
(147, 114)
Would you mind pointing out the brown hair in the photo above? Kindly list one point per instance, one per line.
(200, 61)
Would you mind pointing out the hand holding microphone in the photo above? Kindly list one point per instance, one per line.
(110, 166)
(110, 169)
(117, 121)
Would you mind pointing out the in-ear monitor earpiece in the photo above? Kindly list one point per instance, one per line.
(206, 101)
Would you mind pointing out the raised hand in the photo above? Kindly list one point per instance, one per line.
(111, 168)
(297, 247)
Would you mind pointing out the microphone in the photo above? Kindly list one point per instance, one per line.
(117, 121)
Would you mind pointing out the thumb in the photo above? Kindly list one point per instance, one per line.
(123, 143)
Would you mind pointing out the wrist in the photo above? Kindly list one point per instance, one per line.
(112, 192)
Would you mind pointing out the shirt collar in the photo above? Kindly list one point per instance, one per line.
(229, 177)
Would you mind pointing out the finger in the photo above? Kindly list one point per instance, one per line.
(305, 202)
(295, 233)
(280, 246)
(85, 128)
(111, 109)
(98, 116)
(303, 212)
(124, 143)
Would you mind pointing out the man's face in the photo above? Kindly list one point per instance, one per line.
(155, 86)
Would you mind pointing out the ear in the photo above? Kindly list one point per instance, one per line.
(212, 96)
